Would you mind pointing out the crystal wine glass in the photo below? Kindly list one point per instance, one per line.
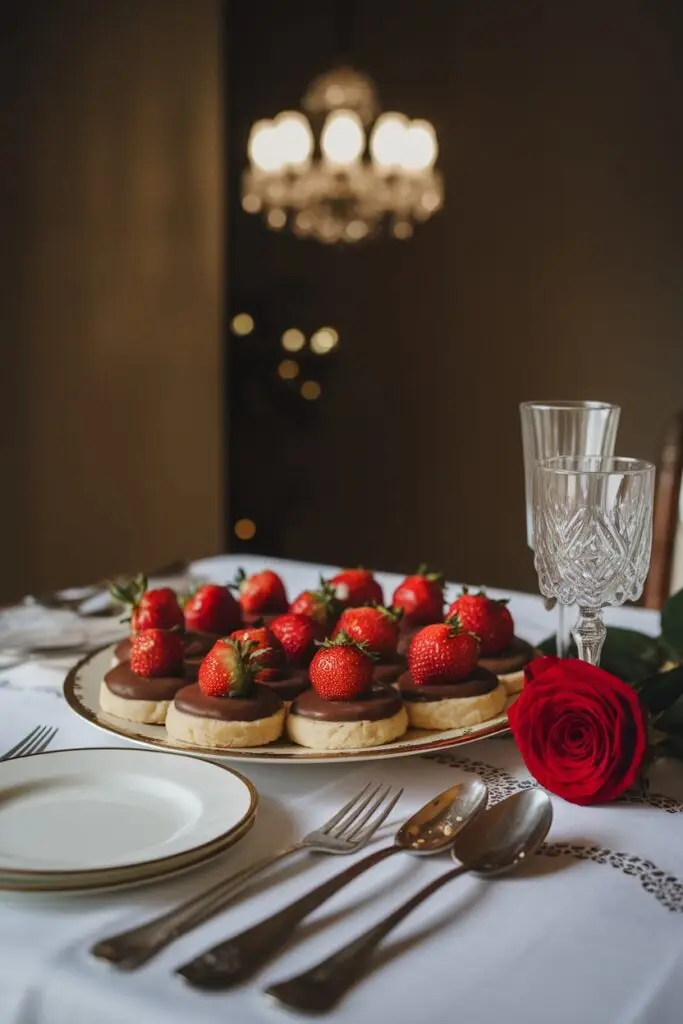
(592, 521)
(563, 428)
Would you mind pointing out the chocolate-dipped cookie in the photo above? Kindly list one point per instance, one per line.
(121, 651)
(377, 629)
(509, 665)
(345, 710)
(444, 687)
(227, 707)
(388, 670)
(288, 681)
(141, 688)
(453, 705)
(500, 650)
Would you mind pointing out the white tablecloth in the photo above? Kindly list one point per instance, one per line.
(591, 932)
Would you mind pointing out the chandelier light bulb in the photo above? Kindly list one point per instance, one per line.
(265, 147)
(343, 139)
(387, 141)
(295, 138)
(420, 147)
(339, 171)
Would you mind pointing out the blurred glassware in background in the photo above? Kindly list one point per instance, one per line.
(563, 428)
(592, 533)
(335, 192)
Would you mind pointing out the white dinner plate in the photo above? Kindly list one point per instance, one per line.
(82, 688)
(85, 819)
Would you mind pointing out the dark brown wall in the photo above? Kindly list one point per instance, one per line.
(554, 270)
(112, 264)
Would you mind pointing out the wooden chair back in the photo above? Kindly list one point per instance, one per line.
(667, 525)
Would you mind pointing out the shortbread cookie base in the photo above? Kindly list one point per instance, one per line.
(152, 712)
(321, 735)
(514, 681)
(456, 712)
(216, 732)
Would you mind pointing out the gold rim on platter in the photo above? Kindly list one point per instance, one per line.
(271, 754)
(81, 879)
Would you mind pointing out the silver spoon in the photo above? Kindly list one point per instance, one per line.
(495, 842)
(433, 829)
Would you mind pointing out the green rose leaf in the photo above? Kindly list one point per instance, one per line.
(672, 622)
(626, 653)
(671, 720)
(661, 692)
(670, 746)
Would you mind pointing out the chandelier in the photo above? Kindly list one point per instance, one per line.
(362, 171)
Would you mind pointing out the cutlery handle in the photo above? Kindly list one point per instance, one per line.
(233, 961)
(130, 949)
(321, 987)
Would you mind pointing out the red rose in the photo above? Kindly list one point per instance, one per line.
(581, 731)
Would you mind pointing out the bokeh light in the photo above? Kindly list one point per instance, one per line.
(245, 529)
(293, 340)
(310, 390)
(242, 324)
(277, 219)
(324, 340)
(343, 138)
(387, 141)
(288, 369)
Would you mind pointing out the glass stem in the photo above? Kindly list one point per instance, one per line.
(563, 631)
(589, 633)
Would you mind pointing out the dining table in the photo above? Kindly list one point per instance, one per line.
(590, 930)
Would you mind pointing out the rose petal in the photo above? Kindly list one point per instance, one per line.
(580, 730)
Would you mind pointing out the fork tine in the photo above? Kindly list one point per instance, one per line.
(340, 830)
(369, 832)
(35, 743)
(14, 752)
(45, 741)
(345, 809)
(358, 824)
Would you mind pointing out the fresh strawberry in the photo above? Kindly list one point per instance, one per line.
(356, 587)
(341, 669)
(376, 627)
(272, 661)
(262, 593)
(297, 634)
(320, 605)
(490, 620)
(212, 609)
(420, 597)
(442, 653)
(229, 669)
(155, 653)
(150, 609)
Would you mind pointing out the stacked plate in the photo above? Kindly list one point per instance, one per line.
(75, 820)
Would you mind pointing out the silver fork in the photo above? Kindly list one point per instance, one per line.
(34, 742)
(346, 832)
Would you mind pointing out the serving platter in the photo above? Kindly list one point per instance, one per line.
(82, 687)
(95, 818)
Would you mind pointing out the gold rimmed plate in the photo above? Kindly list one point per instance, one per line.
(82, 687)
(77, 820)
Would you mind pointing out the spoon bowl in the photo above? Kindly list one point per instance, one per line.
(432, 829)
(508, 833)
(490, 844)
(436, 826)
